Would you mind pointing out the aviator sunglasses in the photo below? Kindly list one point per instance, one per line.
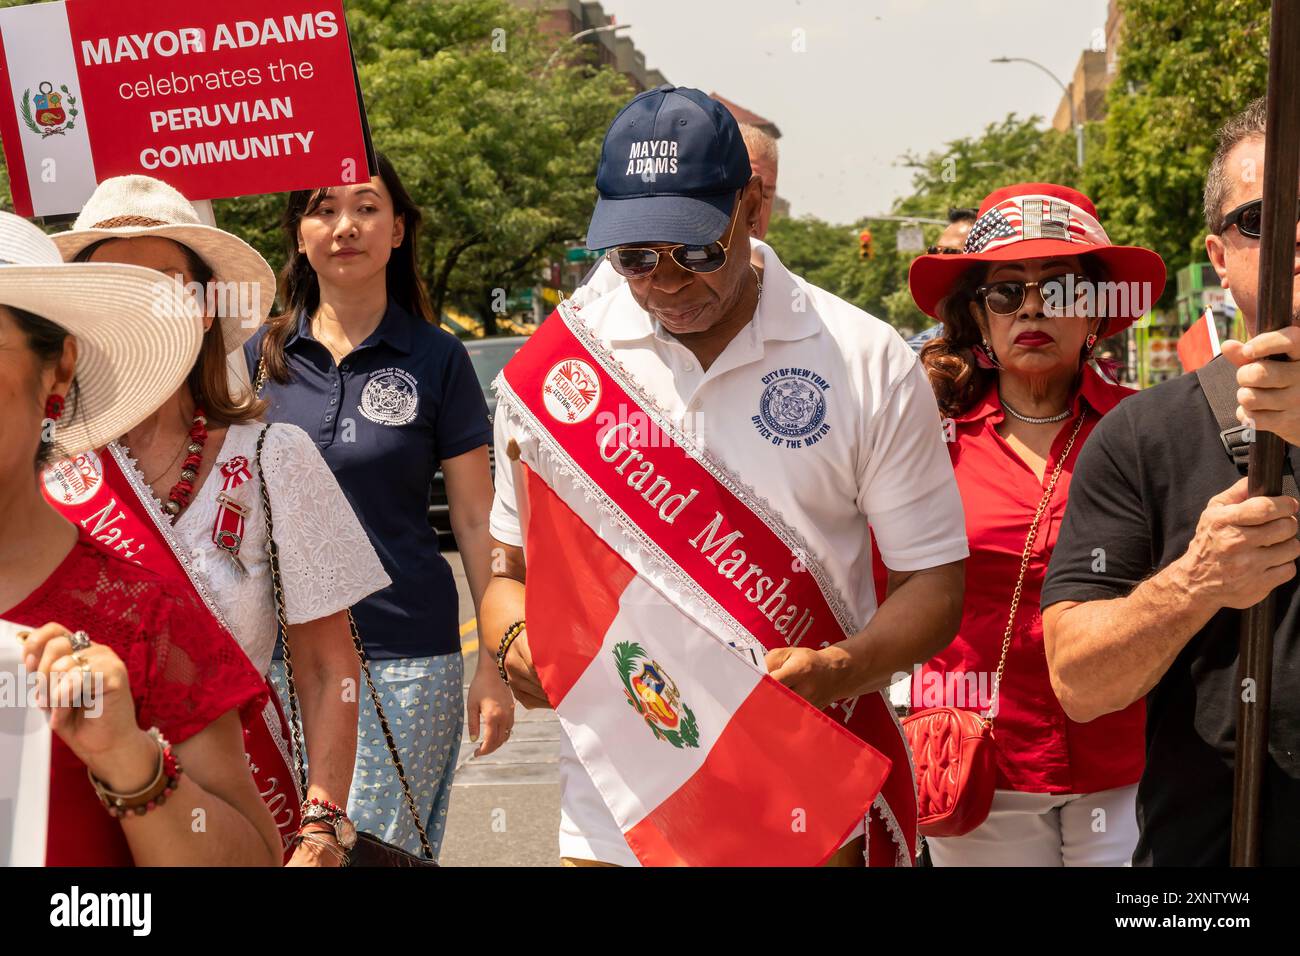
(637, 262)
(1249, 218)
(1006, 297)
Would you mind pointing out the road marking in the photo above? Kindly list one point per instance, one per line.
(468, 647)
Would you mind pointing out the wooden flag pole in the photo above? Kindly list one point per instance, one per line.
(1276, 284)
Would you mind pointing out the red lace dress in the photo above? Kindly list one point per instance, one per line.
(185, 671)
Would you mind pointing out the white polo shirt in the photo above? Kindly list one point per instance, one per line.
(823, 410)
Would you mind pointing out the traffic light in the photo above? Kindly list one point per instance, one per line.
(864, 245)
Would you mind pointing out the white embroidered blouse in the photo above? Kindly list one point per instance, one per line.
(326, 560)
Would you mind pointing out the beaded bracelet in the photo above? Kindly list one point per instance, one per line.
(150, 797)
(317, 809)
(513, 631)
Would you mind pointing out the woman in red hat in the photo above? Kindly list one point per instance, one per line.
(1039, 284)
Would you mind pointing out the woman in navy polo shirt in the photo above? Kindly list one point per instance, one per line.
(359, 362)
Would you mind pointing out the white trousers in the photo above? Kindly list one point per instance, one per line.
(1044, 829)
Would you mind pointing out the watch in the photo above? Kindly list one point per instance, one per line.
(345, 831)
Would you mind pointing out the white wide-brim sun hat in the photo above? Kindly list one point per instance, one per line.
(138, 332)
(125, 207)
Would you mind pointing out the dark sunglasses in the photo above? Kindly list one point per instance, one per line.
(1249, 218)
(637, 262)
(1006, 297)
(944, 251)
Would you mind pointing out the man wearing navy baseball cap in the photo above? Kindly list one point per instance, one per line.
(813, 415)
(671, 169)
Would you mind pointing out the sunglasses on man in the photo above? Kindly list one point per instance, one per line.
(637, 262)
(944, 251)
(1249, 218)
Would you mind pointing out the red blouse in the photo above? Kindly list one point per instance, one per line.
(1039, 749)
(184, 671)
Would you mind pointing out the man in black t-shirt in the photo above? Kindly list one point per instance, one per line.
(1160, 549)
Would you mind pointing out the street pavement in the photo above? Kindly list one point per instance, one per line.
(505, 807)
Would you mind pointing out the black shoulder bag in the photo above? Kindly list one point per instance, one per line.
(369, 849)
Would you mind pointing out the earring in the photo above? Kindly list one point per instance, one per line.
(1089, 342)
(984, 356)
(53, 412)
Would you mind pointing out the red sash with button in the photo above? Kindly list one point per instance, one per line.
(693, 520)
(103, 494)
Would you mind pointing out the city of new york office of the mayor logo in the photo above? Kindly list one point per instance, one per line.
(654, 695)
(391, 397)
(792, 408)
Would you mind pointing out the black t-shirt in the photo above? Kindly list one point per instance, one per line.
(1138, 490)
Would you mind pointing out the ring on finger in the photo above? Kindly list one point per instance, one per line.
(80, 640)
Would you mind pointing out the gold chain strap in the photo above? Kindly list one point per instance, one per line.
(1024, 565)
(259, 380)
(295, 718)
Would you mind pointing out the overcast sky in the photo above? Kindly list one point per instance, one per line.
(879, 77)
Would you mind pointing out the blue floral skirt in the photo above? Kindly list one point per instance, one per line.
(423, 698)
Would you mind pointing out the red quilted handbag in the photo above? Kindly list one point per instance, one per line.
(955, 773)
(953, 748)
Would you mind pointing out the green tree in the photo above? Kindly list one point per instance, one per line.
(824, 254)
(496, 141)
(1185, 66)
(962, 173)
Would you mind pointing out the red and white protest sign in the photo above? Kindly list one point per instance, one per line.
(225, 98)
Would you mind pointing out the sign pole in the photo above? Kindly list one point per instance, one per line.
(206, 214)
(1276, 283)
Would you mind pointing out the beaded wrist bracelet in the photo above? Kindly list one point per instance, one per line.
(154, 795)
(513, 631)
(317, 809)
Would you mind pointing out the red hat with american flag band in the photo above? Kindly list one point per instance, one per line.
(1042, 221)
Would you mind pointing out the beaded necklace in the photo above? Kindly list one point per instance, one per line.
(179, 497)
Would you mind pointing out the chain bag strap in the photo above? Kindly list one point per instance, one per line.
(364, 840)
(259, 380)
(1024, 564)
(952, 748)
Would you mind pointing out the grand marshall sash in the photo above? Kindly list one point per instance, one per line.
(105, 495)
(692, 530)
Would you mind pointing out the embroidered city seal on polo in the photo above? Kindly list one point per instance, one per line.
(391, 397)
(792, 407)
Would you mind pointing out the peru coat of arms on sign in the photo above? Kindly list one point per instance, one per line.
(49, 113)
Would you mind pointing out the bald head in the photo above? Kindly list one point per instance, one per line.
(763, 161)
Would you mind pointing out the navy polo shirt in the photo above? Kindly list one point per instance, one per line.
(403, 401)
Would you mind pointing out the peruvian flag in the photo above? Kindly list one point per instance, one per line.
(1200, 343)
(702, 759)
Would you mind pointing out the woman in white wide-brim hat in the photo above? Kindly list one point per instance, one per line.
(86, 352)
(194, 466)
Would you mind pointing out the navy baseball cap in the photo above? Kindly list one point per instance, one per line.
(671, 166)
